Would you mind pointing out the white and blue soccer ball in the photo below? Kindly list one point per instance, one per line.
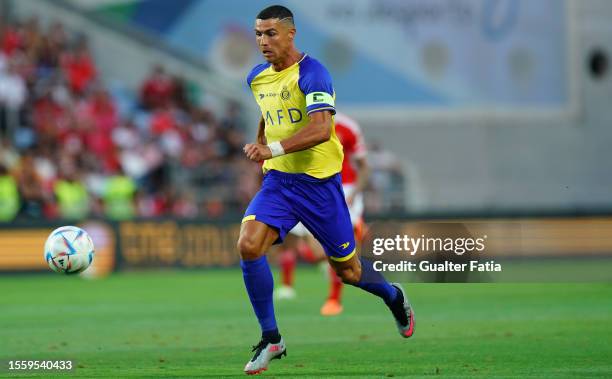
(69, 250)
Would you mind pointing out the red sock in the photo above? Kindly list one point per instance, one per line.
(335, 285)
(287, 264)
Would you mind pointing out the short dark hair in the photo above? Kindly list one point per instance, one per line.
(276, 11)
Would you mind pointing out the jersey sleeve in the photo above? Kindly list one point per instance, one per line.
(316, 84)
(348, 139)
(256, 71)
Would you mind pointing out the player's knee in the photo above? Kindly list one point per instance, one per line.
(349, 275)
(249, 249)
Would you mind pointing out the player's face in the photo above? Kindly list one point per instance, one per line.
(274, 39)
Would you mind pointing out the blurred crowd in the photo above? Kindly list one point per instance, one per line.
(67, 151)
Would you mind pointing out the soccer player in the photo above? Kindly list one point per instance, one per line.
(354, 179)
(302, 161)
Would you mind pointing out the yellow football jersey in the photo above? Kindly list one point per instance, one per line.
(286, 98)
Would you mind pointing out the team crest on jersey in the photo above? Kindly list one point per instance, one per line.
(285, 94)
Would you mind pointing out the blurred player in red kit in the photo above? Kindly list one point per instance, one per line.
(355, 174)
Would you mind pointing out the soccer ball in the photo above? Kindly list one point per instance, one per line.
(69, 250)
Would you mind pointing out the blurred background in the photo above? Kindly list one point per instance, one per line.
(129, 117)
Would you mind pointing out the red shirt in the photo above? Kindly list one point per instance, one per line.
(353, 144)
(162, 121)
(11, 41)
(80, 71)
(157, 91)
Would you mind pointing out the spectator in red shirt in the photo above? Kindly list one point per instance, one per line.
(79, 68)
(162, 120)
(157, 90)
(50, 118)
(101, 119)
(11, 39)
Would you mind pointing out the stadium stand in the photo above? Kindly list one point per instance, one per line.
(61, 125)
(75, 148)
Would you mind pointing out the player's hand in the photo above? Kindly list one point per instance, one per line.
(350, 199)
(257, 152)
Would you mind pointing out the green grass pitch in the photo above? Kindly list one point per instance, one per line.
(200, 324)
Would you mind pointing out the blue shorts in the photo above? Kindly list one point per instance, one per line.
(286, 199)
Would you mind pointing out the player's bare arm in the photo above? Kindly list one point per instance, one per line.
(363, 175)
(261, 135)
(316, 132)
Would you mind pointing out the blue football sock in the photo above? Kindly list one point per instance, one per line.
(260, 285)
(373, 282)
